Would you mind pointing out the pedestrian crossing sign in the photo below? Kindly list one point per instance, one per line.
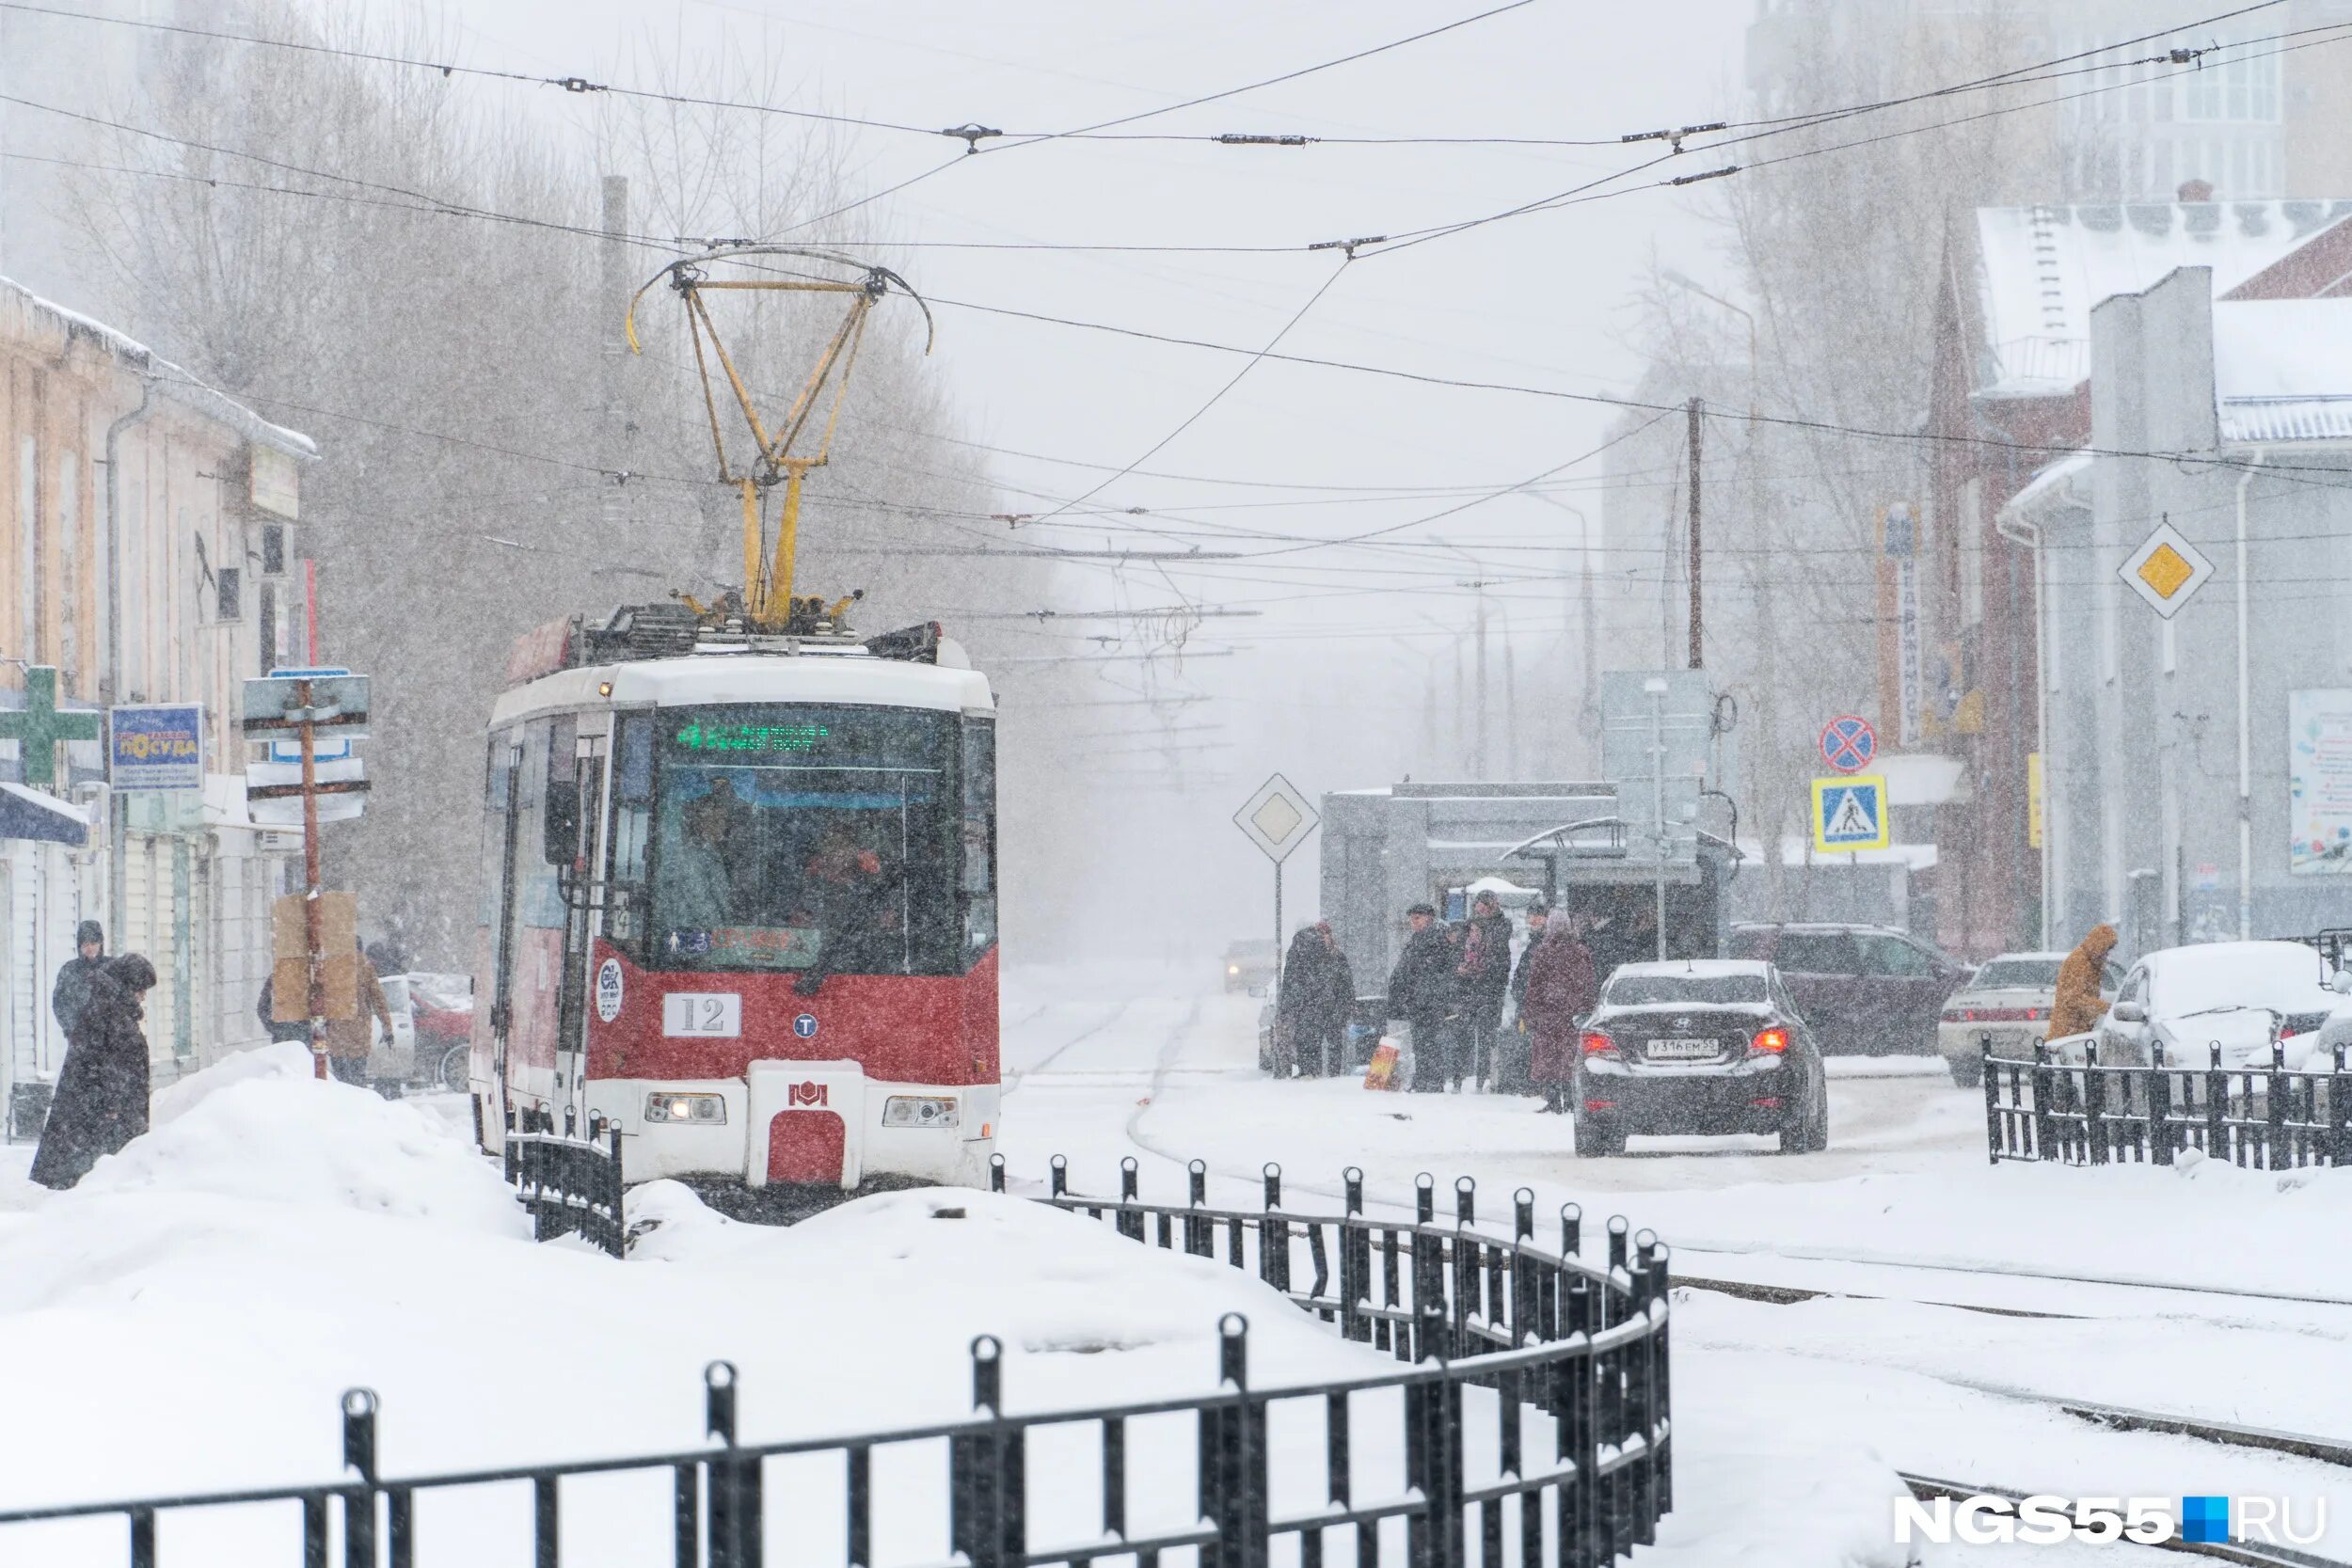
(1849, 814)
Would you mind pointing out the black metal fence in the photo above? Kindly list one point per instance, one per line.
(2266, 1117)
(571, 1184)
(1525, 1424)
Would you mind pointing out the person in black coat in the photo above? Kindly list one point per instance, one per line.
(1421, 991)
(1317, 994)
(72, 992)
(101, 1093)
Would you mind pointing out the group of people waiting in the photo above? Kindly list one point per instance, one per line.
(1452, 982)
(1454, 986)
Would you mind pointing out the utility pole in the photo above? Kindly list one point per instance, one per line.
(1656, 688)
(1697, 621)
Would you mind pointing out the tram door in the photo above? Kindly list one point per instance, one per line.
(506, 768)
(574, 818)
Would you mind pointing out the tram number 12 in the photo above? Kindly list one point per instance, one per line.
(706, 1015)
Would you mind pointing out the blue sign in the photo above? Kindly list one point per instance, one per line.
(1849, 814)
(325, 750)
(1849, 743)
(156, 747)
(805, 1026)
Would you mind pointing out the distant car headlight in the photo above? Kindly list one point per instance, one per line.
(915, 1110)
(1233, 969)
(706, 1108)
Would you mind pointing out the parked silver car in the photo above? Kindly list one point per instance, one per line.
(2010, 998)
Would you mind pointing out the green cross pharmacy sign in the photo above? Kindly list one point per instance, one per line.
(41, 724)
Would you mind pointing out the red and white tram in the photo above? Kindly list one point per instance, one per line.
(739, 897)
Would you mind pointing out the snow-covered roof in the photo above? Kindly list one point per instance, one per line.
(1924, 778)
(2045, 268)
(2049, 489)
(24, 313)
(845, 676)
(2282, 369)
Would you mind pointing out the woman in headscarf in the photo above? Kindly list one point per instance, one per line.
(101, 1102)
(1561, 991)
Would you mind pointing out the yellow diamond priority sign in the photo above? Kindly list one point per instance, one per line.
(2166, 570)
(1277, 818)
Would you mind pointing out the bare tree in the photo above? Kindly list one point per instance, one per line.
(437, 316)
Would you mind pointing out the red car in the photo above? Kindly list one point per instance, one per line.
(442, 1006)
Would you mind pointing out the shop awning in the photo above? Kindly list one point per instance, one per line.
(29, 814)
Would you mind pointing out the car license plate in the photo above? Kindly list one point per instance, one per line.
(1683, 1050)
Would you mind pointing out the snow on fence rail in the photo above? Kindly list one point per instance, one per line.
(2267, 1119)
(1526, 1422)
(571, 1184)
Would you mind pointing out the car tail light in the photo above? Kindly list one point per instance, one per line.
(1599, 1044)
(1993, 1015)
(1766, 1103)
(1773, 1039)
(1601, 1104)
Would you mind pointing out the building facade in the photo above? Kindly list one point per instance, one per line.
(2012, 390)
(147, 524)
(2192, 759)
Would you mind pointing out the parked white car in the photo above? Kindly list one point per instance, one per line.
(2239, 995)
(2009, 998)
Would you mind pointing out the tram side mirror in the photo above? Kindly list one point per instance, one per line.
(562, 819)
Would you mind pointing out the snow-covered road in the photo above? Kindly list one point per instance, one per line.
(282, 1240)
(2202, 1292)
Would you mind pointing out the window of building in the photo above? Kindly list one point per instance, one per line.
(229, 581)
(273, 549)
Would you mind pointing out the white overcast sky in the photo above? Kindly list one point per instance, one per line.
(1537, 299)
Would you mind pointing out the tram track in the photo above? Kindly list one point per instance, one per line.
(2177, 1299)
(1712, 1266)
(1117, 1012)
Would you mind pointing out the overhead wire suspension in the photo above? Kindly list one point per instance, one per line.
(767, 602)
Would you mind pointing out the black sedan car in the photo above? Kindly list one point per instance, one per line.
(1699, 1046)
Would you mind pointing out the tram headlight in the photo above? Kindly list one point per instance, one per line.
(914, 1110)
(705, 1108)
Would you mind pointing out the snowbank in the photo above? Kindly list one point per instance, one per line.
(200, 1303)
(261, 1127)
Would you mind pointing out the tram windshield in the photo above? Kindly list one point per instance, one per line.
(798, 837)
